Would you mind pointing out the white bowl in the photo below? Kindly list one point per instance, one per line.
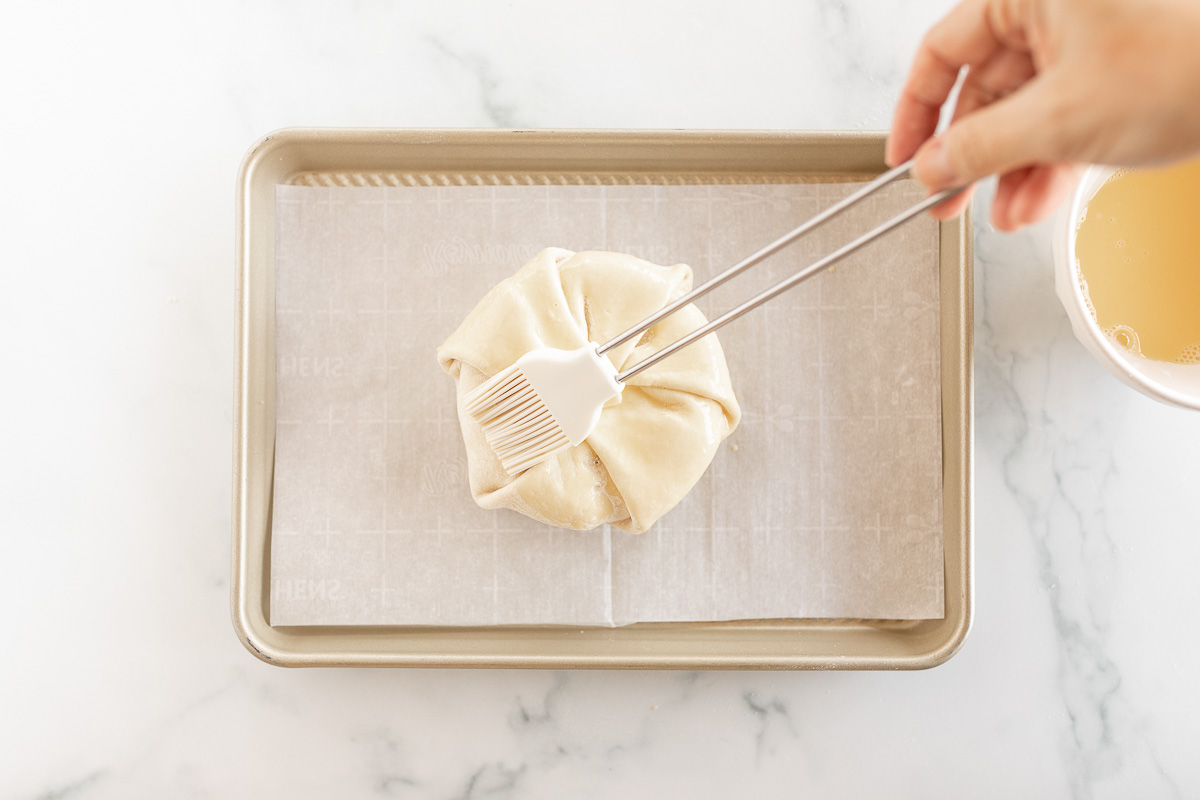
(1174, 384)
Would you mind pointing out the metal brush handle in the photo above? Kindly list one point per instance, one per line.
(788, 283)
(893, 174)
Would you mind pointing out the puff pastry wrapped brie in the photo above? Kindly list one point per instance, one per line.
(652, 443)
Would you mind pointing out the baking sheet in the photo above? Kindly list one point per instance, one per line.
(826, 502)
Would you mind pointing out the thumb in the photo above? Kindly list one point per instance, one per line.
(1021, 129)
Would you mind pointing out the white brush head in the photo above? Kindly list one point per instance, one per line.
(547, 401)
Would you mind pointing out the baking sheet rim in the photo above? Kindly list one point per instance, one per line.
(507, 152)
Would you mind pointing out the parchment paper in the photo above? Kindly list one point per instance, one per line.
(825, 502)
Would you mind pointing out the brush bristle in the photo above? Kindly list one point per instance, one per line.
(516, 424)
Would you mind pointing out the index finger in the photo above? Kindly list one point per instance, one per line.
(965, 37)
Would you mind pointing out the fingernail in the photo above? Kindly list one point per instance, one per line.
(933, 166)
(1018, 211)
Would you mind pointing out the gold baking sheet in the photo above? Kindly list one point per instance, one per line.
(348, 158)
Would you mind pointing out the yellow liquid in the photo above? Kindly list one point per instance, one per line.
(1138, 250)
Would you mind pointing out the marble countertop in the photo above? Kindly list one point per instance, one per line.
(121, 675)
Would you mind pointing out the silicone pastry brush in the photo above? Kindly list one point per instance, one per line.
(551, 399)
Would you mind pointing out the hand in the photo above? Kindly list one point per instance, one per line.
(1049, 83)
